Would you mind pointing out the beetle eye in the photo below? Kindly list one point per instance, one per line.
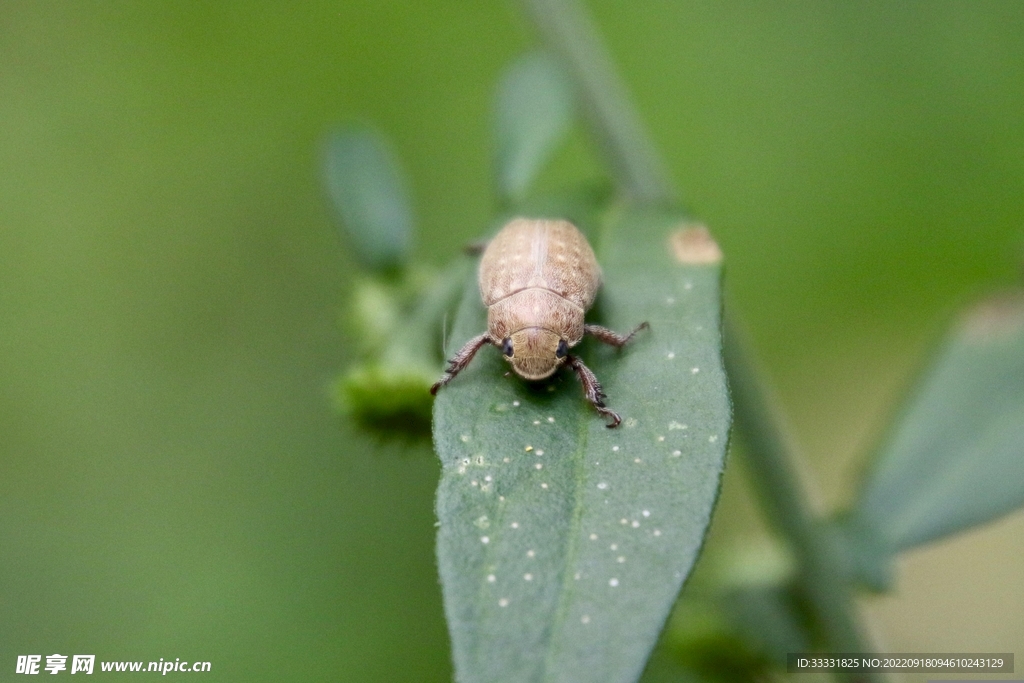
(562, 350)
(506, 347)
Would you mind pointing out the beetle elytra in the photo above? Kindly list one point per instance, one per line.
(538, 278)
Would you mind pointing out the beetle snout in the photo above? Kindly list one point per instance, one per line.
(536, 353)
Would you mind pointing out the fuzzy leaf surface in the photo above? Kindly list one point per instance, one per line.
(563, 544)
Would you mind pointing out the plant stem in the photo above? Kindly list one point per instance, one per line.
(569, 32)
(786, 504)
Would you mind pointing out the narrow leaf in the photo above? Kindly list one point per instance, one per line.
(369, 194)
(956, 458)
(563, 544)
(532, 113)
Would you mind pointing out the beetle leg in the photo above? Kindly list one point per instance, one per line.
(592, 389)
(460, 360)
(611, 337)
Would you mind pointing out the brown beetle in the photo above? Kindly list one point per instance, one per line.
(538, 278)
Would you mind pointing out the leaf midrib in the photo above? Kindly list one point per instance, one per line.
(572, 543)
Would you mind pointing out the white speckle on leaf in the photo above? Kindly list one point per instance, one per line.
(474, 482)
(657, 532)
(602, 485)
(661, 438)
(675, 425)
(695, 370)
(635, 524)
(538, 466)
(505, 460)
(688, 285)
(670, 355)
(551, 418)
(491, 578)
(539, 452)
(482, 522)
(531, 554)
(613, 546)
(646, 513)
(585, 619)
(514, 525)
(615, 448)
(676, 454)
(713, 438)
(488, 478)
(536, 422)
(637, 460)
(630, 422)
(515, 404)
(623, 521)
(620, 559)
(670, 300)
(485, 540)
(613, 582)
(527, 577)
(464, 438)
(543, 486)
(593, 537)
(503, 602)
(576, 576)
(501, 498)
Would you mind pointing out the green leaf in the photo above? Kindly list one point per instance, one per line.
(563, 544)
(370, 197)
(533, 111)
(956, 457)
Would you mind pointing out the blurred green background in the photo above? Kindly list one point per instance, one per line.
(173, 480)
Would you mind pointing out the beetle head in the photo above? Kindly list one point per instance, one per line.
(535, 353)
